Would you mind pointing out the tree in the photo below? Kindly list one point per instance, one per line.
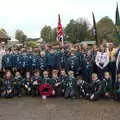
(2, 30)
(54, 34)
(19, 35)
(105, 28)
(32, 44)
(46, 33)
(77, 30)
(3, 35)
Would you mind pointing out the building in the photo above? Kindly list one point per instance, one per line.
(90, 43)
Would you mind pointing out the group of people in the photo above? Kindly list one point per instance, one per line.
(70, 71)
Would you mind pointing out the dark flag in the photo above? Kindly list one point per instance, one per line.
(117, 28)
(118, 59)
(117, 62)
(117, 23)
(95, 29)
(59, 31)
(117, 17)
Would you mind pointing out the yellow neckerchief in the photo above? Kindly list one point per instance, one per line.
(112, 53)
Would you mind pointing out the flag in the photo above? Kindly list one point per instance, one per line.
(95, 29)
(117, 23)
(117, 17)
(118, 59)
(59, 30)
(117, 63)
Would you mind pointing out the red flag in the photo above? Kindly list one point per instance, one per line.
(59, 30)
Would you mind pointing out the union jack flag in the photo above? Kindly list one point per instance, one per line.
(59, 30)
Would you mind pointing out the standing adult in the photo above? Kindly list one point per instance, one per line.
(112, 51)
(102, 61)
(94, 53)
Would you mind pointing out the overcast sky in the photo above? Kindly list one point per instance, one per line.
(31, 15)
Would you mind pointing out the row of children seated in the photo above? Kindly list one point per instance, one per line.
(58, 84)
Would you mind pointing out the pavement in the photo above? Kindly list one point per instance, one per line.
(28, 108)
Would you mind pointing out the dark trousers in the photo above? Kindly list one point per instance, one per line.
(70, 92)
(17, 90)
(58, 91)
(87, 74)
(112, 70)
(8, 95)
(34, 91)
(101, 72)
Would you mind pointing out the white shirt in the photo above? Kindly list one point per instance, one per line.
(102, 59)
(2, 53)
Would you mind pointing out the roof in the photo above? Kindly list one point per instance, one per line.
(88, 42)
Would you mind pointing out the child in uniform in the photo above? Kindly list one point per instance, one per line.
(97, 88)
(56, 83)
(63, 54)
(18, 84)
(70, 89)
(79, 54)
(52, 60)
(108, 89)
(42, 61)
(7, 61)
(82, 87)
(45, 79)
(73, 62)
(36, 81)
(117, 88)
(87, 65)
(62, 78)
(17, 61)
(27, 83)
(7, 85)
(24, 62)
(35, 60)
(46, 89)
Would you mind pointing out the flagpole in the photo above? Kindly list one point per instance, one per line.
(62, 43)
(95, 29)
(117, 20)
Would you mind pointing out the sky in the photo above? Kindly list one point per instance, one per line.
(31, 15)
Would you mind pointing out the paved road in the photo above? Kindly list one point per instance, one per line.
(27, 108)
